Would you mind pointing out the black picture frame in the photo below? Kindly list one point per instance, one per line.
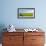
(30, 13)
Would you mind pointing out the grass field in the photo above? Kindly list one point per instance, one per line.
(26, 14)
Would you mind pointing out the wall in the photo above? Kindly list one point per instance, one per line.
(8, 13)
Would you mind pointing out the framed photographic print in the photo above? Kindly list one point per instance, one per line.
(26, 13)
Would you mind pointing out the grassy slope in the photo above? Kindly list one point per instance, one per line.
(26, 14)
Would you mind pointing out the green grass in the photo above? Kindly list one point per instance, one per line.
(26, 14)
